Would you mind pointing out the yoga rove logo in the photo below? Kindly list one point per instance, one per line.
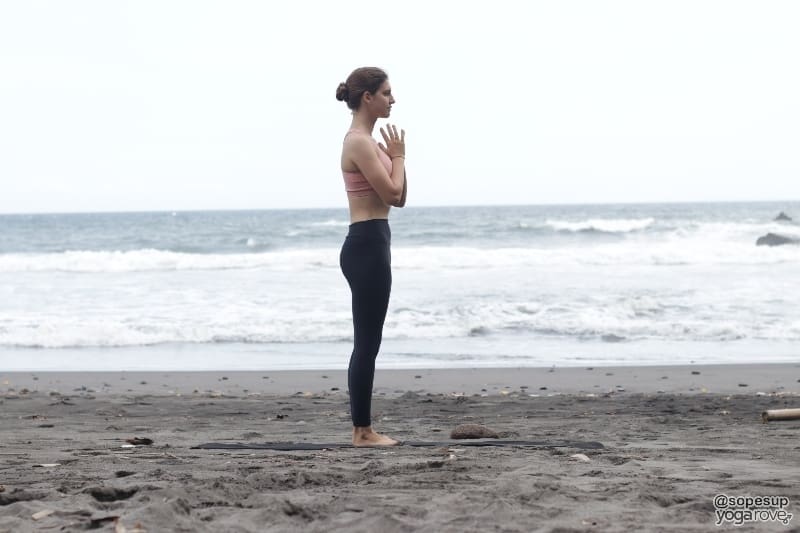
(738, 510)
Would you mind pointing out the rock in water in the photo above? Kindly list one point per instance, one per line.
(783, 217)
(139, 441)
(773, 239)
(472, 431)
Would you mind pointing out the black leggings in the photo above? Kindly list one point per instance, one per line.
(366, 261)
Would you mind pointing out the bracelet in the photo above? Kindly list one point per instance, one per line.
(396, 156)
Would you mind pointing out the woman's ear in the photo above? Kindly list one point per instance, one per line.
(367, 96)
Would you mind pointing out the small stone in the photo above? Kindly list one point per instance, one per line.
(42, 514)
(580, 457)
(695, 372)
(743, 384)
(472, 431)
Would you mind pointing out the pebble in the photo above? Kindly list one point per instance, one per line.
(472, 431)
(42, 514)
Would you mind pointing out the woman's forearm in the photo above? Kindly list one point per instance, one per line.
(402, 201)
(398, 177)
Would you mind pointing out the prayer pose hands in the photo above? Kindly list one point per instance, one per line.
(395, 144)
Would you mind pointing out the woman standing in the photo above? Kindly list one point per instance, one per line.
(374, 178)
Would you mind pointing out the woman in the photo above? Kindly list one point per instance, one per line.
(374, 178)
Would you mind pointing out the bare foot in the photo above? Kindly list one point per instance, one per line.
(365, 436)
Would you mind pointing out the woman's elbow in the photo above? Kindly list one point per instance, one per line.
(395, 202)
(393, 198)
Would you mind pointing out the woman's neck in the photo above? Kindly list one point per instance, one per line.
(363, 123)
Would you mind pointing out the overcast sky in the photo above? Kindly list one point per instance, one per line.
(126, 106)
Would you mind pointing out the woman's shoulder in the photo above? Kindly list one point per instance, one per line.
(358, 140)
(358, 134)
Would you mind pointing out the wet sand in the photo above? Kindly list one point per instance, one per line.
(673, 436)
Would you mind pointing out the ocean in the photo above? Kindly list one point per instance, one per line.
(571, 285)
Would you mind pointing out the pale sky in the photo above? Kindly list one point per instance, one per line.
(158, 105)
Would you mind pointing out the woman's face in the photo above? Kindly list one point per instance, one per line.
(380, 103)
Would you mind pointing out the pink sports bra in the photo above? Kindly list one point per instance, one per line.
(355, 183)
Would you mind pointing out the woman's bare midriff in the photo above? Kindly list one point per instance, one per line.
(367, 207)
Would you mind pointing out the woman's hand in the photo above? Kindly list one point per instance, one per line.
(395, 144)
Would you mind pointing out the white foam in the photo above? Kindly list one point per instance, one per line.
(710, 245)
(331, 223)
(609, 225)
(155, 260)
(149, 312)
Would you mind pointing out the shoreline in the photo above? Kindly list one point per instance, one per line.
(769, 378)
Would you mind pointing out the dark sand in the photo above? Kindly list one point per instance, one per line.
(674, 436)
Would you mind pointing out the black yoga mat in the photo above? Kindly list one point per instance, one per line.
(289, 446)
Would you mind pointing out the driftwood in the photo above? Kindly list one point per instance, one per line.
(780, 414)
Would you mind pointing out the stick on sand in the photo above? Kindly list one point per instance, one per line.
(780, 414)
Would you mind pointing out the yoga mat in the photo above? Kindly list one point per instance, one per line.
(290, 446)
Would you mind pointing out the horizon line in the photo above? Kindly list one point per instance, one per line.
(428, 206)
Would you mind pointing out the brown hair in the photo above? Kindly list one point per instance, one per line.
(361, 80)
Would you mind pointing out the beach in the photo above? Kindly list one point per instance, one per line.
(673, 438)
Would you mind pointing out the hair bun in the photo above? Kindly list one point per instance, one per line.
(342, 92)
